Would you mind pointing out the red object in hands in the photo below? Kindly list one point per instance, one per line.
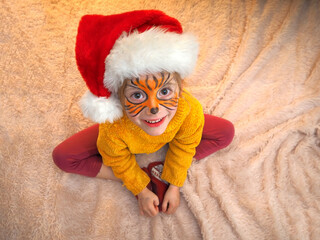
(159, 186)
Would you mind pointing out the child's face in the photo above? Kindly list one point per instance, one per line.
(151, 101)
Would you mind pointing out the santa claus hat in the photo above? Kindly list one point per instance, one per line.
(110, 49)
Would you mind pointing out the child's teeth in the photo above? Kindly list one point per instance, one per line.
(154, 121)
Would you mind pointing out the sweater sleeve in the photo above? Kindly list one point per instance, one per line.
(183, 147)
(116, 155)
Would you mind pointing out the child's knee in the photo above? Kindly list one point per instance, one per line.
(228, 133)
(60, 158)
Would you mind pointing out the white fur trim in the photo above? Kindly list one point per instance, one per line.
(101, 109)
(151, 51)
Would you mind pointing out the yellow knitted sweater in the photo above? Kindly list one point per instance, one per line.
(118, 143)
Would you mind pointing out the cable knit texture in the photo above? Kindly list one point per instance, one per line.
(119, 142)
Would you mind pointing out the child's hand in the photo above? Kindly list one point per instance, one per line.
(148, 203)
(171, 200)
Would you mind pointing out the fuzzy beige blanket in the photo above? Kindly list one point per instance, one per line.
(259, 67)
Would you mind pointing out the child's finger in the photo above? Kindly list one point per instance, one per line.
(157, 208)
(165, 204)
(171, 209)
(153, 211)
(156, 201)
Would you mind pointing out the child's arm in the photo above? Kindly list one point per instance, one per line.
(183, 146)
(115, 154)
(171, 200)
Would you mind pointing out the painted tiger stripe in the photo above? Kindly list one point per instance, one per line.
(150, 86)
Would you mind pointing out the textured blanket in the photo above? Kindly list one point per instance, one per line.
(259, 67)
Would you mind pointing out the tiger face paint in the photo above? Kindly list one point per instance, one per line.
(151, 101)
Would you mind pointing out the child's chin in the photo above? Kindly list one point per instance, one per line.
(154, 132)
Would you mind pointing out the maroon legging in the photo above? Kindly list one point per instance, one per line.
(79, 154)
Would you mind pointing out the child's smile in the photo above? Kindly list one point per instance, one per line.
(155, 122)
(151, 101)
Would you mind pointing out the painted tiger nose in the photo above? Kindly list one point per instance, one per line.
(154, 110)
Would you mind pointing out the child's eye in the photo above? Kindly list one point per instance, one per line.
(137, 97)
(165, 92)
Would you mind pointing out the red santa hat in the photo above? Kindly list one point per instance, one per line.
(110, 49)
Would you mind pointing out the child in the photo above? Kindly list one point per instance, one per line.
(133, 64)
